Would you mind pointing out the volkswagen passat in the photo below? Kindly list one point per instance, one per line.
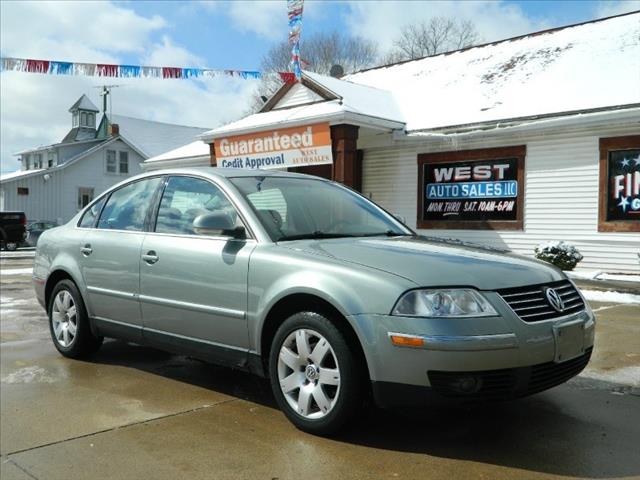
(305, 281)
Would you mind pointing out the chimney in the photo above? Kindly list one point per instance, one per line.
(114, 129)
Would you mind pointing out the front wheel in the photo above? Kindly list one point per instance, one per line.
(11, 246)
(316, 379)
(69, 322)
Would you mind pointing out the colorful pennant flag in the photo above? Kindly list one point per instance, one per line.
(52, 67)
(294, 11)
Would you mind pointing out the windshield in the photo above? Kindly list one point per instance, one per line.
(292, 208)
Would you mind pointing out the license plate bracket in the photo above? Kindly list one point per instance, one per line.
(569, 339)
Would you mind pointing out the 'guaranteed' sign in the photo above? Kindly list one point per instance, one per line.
(280, 148)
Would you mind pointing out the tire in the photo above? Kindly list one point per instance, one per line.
(11, 246)
(69, 322)
(325, 373)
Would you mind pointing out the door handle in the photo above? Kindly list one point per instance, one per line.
(86, 250)
(150, 257)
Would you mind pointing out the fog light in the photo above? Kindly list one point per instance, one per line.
(467, 384)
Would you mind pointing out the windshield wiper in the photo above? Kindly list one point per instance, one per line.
(388, 233)
(313, 235)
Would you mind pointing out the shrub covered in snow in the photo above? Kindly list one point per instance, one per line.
(562, 254)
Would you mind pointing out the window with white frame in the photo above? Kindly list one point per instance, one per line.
(51, 159)
(37, 163)
(112, 166)
(85, 196)
(124, 163)
(27, 162)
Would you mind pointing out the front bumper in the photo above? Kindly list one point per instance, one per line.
(457, 346)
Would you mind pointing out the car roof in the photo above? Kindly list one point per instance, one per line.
(229, 172)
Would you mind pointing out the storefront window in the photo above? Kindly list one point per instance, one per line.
(472, 189)
(619, 209)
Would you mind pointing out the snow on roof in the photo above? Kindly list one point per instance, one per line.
(191, 150)
(595, 65)
(582, 67)
(17, 174)
(362, 99)
(154, 138)
(83, 103)
(290, 116)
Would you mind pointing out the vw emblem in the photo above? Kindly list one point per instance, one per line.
(311, 372)
(554, 299)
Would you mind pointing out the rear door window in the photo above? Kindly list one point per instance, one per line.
(127, 207)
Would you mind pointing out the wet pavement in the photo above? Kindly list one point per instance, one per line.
(135, 412)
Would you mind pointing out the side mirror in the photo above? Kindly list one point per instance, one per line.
(217, 224)
(400, 218)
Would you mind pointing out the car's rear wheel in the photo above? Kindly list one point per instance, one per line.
(315, 376)
(69, 323)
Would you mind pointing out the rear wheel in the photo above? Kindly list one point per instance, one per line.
(315, 377)
(69, 323)
(11, 246)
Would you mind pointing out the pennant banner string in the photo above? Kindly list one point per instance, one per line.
(52, 67)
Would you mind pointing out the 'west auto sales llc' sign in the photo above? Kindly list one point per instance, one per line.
(471, 190)
(281, 148)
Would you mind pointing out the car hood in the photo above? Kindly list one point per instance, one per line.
(432, 262)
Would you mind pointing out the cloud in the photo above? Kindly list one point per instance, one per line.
(615, 7)
(168, 53)
(494, 19)
(35, 107)
(78, 31)
(265, 18)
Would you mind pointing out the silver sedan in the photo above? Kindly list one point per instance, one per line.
(308, 283)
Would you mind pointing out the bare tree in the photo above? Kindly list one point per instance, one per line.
(318, 52)
(437, 35)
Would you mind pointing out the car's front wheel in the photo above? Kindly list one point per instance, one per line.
(316, 378)
(69, 322)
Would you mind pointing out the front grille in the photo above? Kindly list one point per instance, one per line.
(510, 382)
(531, 305)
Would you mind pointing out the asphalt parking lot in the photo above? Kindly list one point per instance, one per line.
(134, 412)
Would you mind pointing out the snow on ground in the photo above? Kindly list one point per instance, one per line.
(623, 376)
(20, 253)
(599, 275)
(15, 271)
(610, 297)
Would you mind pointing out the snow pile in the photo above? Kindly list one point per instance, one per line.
(599, 275)
(561, 254)
(610, 297)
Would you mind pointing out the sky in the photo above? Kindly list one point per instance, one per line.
(220, 35)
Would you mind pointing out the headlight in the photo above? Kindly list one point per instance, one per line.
(459, 302)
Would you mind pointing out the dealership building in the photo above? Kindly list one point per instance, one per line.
(509, 144)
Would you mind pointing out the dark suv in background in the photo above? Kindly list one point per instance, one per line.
(13, 229)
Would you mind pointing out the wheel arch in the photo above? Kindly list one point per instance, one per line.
(304, 301)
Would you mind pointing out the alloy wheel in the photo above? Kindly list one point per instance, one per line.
(64, 318)
(308, 373)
